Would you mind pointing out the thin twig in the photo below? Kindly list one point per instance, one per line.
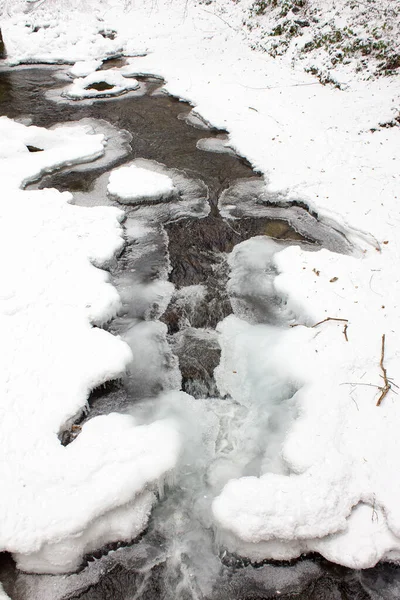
(359, 383)
(324, 321)
(388, 382)
(385, 389)
(329, 319)
(220, 18)
(345, 332)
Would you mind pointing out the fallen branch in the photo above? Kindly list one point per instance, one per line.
(385, 388)
(345, 332)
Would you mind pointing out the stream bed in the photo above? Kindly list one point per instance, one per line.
(173, 279)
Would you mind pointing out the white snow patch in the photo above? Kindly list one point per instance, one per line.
(83, 68)
(135, 184)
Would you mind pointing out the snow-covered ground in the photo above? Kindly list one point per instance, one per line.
(332, 485)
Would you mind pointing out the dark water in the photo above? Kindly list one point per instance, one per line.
(196, 249)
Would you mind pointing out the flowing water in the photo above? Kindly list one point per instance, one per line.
(173, 281)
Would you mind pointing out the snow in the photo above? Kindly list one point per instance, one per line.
(83, 68)
(133, 185)
(116, 84)
(195, 120)
(326, 479)
(3, 595)
(122, 524)
(214, 145)
(59, 148)
(64, 501)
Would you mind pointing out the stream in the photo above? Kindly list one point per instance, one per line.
(173, 280)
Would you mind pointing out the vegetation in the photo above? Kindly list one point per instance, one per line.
(369, 44)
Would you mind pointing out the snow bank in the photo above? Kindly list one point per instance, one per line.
(64, 501)
(319, 485)
(133, 185)
(59, 147)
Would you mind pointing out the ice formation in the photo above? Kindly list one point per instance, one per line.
(98, 489)
(219, 145)
(304, 496)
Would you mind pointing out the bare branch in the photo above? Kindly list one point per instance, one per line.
(324, 321)
(330, 319)
(384, 389)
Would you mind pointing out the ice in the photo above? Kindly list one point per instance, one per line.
(70, 145)
(219, 145)
(136, 230)
(153, 367)
(251, 283)
(114, 84)
(55, 297)
(180, 195)
(194, 119)
(257, 384)
(144, 300)
(303, 495)
(116, 142)
(133, 185)
(252, 198)
(122, 524)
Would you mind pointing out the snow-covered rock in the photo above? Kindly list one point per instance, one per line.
(133, 185)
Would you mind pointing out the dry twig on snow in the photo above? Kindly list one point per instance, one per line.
(324, 321)
(329, 319)
(385, 388)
